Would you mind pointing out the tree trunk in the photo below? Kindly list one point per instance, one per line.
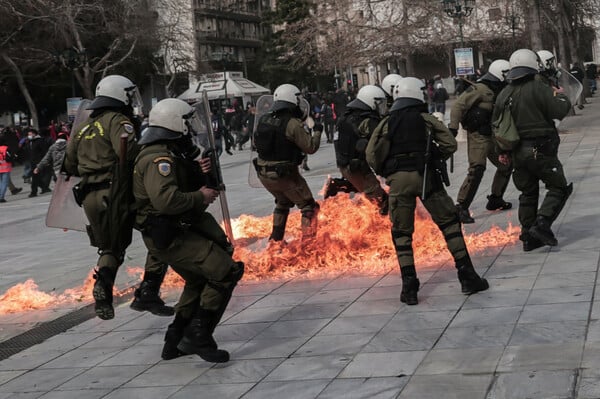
(535, 29)
(24, 90)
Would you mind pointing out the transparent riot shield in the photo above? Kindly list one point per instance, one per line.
(263, 105)
(63, 211)
(571, 87)
(206, 139)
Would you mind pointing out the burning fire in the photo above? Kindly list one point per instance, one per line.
(352, 237)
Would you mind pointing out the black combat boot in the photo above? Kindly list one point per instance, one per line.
(197, 339)
(463, 214)
(496, 203)
(103, 293)
(470, 281)
(173, 336)
(530, 243)
(410, 287)
(541, 231)
(147, 296)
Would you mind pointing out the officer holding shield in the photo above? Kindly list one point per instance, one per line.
(280, 140)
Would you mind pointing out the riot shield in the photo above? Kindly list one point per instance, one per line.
(63, 211)
(263, 105)
(571, 87)
(216, 177)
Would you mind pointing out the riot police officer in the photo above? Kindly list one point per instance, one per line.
(387, 84)
(281, 140)
(549, 72)
(473, 109)
(399, 149)
(355, 127)
(534, 105)
(102, 153)
(171, 199)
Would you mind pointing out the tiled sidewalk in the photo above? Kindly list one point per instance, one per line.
(534, 334)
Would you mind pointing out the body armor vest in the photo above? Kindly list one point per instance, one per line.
(271, 142)
(407, 133)
(348, 135)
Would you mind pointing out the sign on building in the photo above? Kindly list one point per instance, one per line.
(463, 59)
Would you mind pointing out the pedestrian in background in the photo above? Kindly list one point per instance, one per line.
(440, 96)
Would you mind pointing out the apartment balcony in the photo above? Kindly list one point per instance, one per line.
(228, 15)
(236, 40)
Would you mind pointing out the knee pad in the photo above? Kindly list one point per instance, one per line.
(310, 211)
(477, 171)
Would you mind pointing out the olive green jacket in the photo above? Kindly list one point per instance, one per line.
(157, 185)
(534, 106)
(94, 150)
(479, 95)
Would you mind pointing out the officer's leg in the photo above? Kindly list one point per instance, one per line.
(280, 217)
(147, 297)
(439, 205)
(221, 274)
(528, 185)
(404, 188)
(367, 182)
(109, 261)
(500, 181)
(477, 153)
(552, 175)
(297, 191)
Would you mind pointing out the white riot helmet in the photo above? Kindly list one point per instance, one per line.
(548, 59)
(499, 69)
(410, 88)
(389, 82)
(523, 62)
(116, 91)
(288, 93)
(170, 119)
(373, 97)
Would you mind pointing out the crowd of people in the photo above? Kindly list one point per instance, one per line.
(39, 152)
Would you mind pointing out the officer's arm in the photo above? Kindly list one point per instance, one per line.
(441, 135)
(296, 133)
(464, 103)
(121, 126)
(557, 104)
(379, 147)
(366, 127)
(163, 191)
(70, 161)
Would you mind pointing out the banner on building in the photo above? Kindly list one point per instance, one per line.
(463, 59)
(72, 107)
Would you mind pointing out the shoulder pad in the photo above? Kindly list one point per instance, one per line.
(127, 126)
(470, 89)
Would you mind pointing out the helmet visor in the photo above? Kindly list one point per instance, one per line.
(193, 124)
(381, 105)
(135, 100)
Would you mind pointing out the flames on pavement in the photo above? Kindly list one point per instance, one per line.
(352, 238)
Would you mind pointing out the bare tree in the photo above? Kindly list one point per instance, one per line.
(89, 38)
(175, 34)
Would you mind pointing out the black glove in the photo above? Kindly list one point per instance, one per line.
(318, 127)
(453, 131)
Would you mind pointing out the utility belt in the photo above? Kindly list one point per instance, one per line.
(543, 145)
(82, 189)
(282, 170)
(163, 229)
(413, 161)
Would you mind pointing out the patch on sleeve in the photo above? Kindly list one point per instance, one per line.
(128, 127)
(164, 168)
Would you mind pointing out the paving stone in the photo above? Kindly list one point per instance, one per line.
(406, 340)
(238, 371)
(541, 357)
(142, 393)
(222, 390)
(169, 374)
(360, 388)
(486, 316)
(102, 377)
(555, 312)
(387, 364)
(475, 336)
(356, 325)
(307, 389)
(448, 386)
(462, 360)
(533, 385)
(309, 368)
(40, 380)
(343, 344)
